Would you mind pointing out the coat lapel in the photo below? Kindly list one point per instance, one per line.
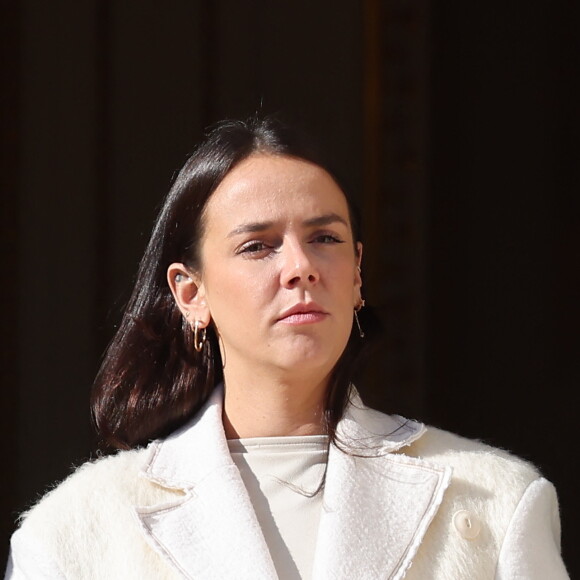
(378, 504)
(210, 530)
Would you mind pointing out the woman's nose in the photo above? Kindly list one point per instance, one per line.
(298, 267)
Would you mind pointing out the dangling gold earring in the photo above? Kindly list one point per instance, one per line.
(358, 307)
(197, 343)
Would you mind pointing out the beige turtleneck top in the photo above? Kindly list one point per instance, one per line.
(282, 475)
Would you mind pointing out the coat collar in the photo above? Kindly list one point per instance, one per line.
(378, 503)
(371, 433)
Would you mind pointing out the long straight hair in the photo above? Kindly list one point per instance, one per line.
(152, 379)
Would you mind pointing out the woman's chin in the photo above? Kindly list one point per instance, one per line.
(304, 356)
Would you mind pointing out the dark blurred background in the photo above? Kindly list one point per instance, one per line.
(455, 123)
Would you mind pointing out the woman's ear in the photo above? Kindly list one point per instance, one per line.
(358, 257)
(358, 300)
(189, 294)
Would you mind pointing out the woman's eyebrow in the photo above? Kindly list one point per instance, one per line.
(251, 227)
(324, 220)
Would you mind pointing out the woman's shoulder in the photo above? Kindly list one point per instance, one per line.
(485, 480)
(468, 458)
(495, 512)
(89, 522)
(98, 486)
(472, 458)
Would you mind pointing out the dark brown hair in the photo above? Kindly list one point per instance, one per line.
(152, 380)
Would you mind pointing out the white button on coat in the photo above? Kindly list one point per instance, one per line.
(467, 524)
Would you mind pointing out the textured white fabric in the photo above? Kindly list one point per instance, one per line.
(534, 526)
(179, 509)
(86, 528)
(282, 475)
(490, 484)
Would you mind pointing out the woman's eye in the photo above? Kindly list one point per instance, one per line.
(252, 248)
(327, 239)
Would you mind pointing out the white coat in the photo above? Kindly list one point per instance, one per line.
(420, 504)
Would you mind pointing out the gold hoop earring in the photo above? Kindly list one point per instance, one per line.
(197, 342)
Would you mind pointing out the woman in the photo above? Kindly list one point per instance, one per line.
(246, 451)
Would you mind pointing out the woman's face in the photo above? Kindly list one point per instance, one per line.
(279, 275)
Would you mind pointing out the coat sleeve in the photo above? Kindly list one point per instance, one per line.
(531, 547)
(28, 560)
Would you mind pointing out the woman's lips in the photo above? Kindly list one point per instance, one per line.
(303, 314)
(304, 318)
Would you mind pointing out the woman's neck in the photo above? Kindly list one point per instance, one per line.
(266, 408)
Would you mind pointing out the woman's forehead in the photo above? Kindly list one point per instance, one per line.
(268, 186)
